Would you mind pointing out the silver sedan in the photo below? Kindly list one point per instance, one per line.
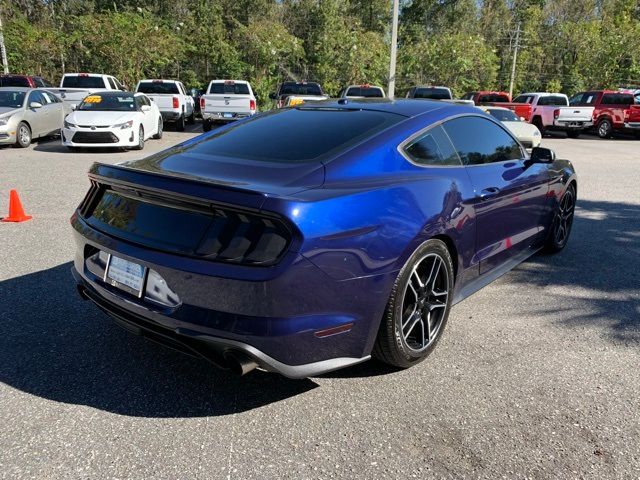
(28, 113)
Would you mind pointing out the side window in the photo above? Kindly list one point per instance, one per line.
(432, 148)
(112, 84)
(37, 97)
(49, 97)
(139, 102)
(118, 84)
(609, 99)
(478, 141)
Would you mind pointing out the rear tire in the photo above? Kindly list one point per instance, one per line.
(158, 134)
(562, 222)
(23, 135)
(537, 121)
(180, 123)
(573, 133)
(206, 125)
(191, 120)
(605, 129)
(418, 307)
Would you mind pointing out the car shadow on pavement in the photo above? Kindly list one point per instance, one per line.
(56, 346)
(595, 280)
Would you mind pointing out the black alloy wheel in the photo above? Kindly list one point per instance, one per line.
(562, 221)
(418, 308)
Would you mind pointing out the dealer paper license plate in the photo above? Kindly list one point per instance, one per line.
(126, 275)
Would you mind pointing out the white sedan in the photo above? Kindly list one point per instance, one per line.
(528, 134)
(112, 119)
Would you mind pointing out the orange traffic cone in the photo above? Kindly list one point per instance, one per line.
(16, 212)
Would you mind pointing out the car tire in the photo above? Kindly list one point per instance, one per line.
(140, 145)
(573, 133)
(23, 135)
(418, 308)
(562, 222)
(206, 125)
(158, 134)
(537, 122)
(605, 129)
(180, 123)
(191, 120)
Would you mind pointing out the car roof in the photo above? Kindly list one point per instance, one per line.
(407, 107)
(542, 94)
(19, 89)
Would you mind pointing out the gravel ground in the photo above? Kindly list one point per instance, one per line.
(535, 377)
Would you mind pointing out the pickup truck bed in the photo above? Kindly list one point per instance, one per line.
(226, 101)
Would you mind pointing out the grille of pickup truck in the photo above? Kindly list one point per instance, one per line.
(214, 232)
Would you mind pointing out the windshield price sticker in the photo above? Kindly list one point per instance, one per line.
(93, 99)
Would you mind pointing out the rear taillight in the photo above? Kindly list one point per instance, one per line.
(201, 102)
(252, 104)
(556, 113)
(176, 102)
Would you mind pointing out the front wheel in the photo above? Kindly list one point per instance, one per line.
(418, 308)
(562, 222)
(23, 136)
(140, 145)
(605, 129)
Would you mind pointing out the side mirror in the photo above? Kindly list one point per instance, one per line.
(145, 108)
(272, 96)
(35, 105)
(73, 106)
(542, 155)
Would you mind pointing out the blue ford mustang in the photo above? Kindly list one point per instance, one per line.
(305, 240)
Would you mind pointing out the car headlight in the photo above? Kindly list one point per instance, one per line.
(124, 126)
(69, 125)
(4, 121)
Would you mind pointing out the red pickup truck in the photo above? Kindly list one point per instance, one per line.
(611, 109)
(632, 120)
(500, 99)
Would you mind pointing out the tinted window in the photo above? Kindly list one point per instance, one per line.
(584, 98)
(478, 140)
(296, 135)
(469, 96)
(432, 148)
(368, 92)
(300, 89)
(11, 99)
(82, 82)
(493, 98)
(503, 115)
(37, 97)
(121, 102)
(229, 88)
(11, 81)
(157, 88)
(525, 99)
(555, 101)
(617, 99)
(432, 93)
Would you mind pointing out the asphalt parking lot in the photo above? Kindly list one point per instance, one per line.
(537, 375)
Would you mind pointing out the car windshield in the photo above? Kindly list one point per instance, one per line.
(12, 99)
(81, 81)
(229, 87)
(433, 93)
(504, 115)
(369, 92)
(302, 134)
(158, 87)
(109, 102)
(301, 89)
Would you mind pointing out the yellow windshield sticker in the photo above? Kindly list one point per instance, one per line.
(93, 99)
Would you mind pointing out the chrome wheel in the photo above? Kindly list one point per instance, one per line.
(604, 129)
(564, 218)
(424, 303)
(24, 135)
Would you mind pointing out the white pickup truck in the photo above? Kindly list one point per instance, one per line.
(75, 86)
(172, 99)
(226, 101)
(551, 112)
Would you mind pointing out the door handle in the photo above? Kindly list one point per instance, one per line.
(489, 192)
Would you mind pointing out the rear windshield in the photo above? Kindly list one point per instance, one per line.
(11, 99)
(503, 115)
(303, 134)
(119, 102)
(617, 99)
(493, 98)
(229, 88)
(555, 101)
(433, 93)
(369, 92)
(300, 89)
(158, 87)
(14, 82)
(82, 82)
